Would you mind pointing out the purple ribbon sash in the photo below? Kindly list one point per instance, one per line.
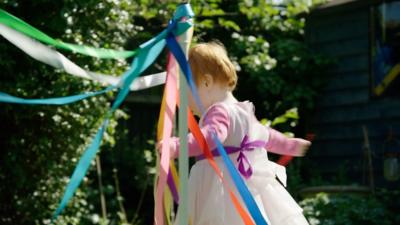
(245, 145)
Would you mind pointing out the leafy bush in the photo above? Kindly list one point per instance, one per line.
(342, 209)
(42, 144)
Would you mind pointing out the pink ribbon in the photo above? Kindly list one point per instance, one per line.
(166, 115)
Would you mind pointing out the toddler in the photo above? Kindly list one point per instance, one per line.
(246, 142)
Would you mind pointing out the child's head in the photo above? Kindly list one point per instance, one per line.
(213, 72)
(210, 60)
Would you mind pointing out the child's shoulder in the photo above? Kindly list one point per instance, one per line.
(215, 109)
(230, 108)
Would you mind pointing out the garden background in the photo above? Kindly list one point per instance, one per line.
(40, 145)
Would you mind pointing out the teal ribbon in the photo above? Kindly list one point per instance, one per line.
(81, 168)
(51, 101)
(146, 55)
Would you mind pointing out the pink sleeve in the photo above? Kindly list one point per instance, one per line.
(216, 120)
(280, 144)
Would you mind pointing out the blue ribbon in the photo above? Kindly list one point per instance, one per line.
(143, 59)
(81, 168)
(183, 10)
(147, 53)
(241, 186)
(51, 101)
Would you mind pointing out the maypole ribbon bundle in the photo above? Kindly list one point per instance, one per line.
(145, 56)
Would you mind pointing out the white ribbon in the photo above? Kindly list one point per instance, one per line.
(54, 58)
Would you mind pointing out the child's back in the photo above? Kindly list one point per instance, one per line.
(246, 138)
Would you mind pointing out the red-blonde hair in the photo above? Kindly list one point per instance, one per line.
(211, 58)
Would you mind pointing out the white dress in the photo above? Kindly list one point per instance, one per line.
(209, 201)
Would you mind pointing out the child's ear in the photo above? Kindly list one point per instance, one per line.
(208, 80)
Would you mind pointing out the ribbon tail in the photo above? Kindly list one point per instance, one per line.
(81, 169)
(51, 101)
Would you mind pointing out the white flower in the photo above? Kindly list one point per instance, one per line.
(251, 38)
(95, 218)
(148, 156)
(56, 118)
(151, 170)
(235, 35)
(70, 20)
(267, 66)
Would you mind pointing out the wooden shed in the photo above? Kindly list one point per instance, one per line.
(363, 90)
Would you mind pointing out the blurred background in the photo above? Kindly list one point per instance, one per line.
(323, 70)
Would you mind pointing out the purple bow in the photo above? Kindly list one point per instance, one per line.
(245, 145)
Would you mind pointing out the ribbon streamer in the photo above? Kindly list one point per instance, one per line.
(54, 58)
(23, 27)
(164, 131)
(81, 168)
(51, 101)
(146, 55)
(20, 25)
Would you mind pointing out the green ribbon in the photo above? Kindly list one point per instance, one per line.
(23, 27)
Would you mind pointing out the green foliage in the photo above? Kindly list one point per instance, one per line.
(291, 117)
(266, 42)
(284, 72)
(344, 209)
(42, 144)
